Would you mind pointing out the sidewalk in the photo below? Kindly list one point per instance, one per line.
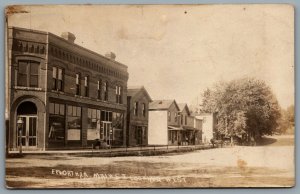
(115, 152)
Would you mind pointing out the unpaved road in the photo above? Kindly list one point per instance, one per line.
(271, 165)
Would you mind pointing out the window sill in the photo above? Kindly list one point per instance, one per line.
(27, 88)
(59, 92)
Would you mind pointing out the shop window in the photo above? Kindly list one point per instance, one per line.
(117, 126)
(74, 123)
(93, 131)
(57, 78)
(28, 73)
(56, 134)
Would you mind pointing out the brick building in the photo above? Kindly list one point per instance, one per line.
(138, 101)
(65, 96)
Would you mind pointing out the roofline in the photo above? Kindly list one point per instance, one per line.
(173, 101)
(140, 89)
(74, 44)
(186, 106)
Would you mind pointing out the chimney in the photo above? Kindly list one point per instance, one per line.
(110, 55)
(68, 36)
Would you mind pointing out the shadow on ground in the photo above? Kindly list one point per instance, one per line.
(266, 141)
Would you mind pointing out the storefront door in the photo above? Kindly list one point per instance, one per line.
(106, 133)
(29, 132)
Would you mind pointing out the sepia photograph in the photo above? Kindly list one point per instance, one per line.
(149, 96)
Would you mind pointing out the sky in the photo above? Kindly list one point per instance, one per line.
(177, 51)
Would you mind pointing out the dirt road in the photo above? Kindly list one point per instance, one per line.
(271, 164)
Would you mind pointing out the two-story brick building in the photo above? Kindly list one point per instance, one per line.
(64, 95)
(138, 101)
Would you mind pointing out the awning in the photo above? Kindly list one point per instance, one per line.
(190, 128)
(170, 127)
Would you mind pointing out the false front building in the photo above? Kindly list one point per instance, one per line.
(164, 127)
(60, 95)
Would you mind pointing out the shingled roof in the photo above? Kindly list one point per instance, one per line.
(134, 90)
(182, 106)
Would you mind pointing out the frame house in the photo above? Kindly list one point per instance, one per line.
(62, 95)
(164, 126)
(191, 135)
(138, 101)
(209, 123)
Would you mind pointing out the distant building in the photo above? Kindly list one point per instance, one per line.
(164, 123)
(64, 95)
(208, 125)
(138, 101)
(191, 133)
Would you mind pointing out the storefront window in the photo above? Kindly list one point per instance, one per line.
(118, 126)
(56, 134)
(93, 124)
(74, 123)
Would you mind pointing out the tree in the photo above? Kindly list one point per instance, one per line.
(287, 121)
(246, 108)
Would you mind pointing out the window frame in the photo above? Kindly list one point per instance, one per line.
(78, 84)
(99, 92)
(86, 86)
(144, 109)
(105, 88)
(135, 108)
(58, 84)
(28, 75)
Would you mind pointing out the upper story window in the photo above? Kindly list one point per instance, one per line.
(185, 120)
(28, 73)
(86, 86)
(105, 89)
(144, 109)
(181, 119)
(78, 82)
(169, 116)
(57, 78)
(119, 94)
(175, 116)
(99, 89)
(135, 108)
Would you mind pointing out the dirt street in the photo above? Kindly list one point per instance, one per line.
(269, 165)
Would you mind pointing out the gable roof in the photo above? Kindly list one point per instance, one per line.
(182, 106)
(162, 104)
(134, 90)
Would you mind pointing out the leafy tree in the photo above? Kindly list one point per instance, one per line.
(246, 108)
(287, 121)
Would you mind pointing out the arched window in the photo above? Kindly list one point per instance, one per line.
(27, 108)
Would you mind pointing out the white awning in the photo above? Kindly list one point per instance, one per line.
(174, 128)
